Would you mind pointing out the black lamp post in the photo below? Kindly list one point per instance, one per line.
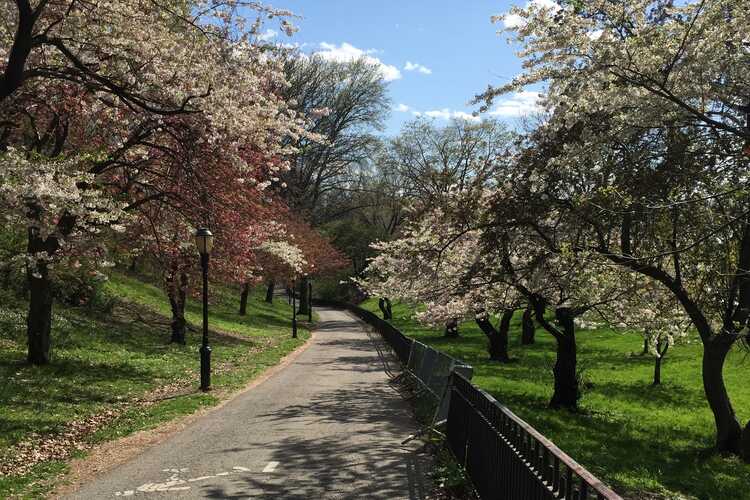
(309, 300)
(294, 308)
(204, 240)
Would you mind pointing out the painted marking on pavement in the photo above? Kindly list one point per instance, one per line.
(199, 479)
(174, 483)
(271, 466)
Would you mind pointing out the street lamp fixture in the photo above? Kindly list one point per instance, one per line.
(204, 241)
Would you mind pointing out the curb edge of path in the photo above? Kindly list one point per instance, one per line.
(106, 456)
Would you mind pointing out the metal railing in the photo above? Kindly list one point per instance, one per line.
(506, 458)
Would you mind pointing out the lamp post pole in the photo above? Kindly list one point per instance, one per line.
(294, 309)
(205, 348)
(204, 241)
(309, 300)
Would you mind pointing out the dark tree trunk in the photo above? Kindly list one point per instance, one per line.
(177, 296)
(243, 298)
(645, 347)
(269, 291)
(39, 320)
(661, 351)
(498, 338)
(566, 392)
(527, 327)
(385, 308)
(728, 430)
(304, 296)
(451, 328)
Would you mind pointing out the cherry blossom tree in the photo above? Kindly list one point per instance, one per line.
(646, 145)
(67, 90)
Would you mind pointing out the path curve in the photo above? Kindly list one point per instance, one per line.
(327, 426)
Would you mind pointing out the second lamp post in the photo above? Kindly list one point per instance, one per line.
(204, 240)
(294, 307)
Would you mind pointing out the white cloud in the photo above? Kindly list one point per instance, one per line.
(519, 104)
(347, 53)
(402, 108)
(267, 35)
(513, 21)
(410, 66)
(446, 114)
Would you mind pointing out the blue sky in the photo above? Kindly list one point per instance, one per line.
(437, 54)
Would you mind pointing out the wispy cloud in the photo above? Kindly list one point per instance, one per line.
(401, 108)
(347, 52)
(518, 104)
(268, 35)
(410, 66)
(446, 114)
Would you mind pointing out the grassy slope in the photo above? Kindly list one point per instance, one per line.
(100, 361)
(636, 437)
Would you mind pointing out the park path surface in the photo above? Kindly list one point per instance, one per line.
(327, 426)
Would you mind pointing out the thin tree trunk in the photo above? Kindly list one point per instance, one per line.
(451, 328)
(645, 347)
(661, 351)
(243, 298)
(269, 291)
(177, 296)
(527, 327)
(388, 308)
(728, 430)
(39, 320)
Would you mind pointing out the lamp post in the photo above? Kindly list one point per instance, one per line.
(309, 300)
(204, 240)
(294, 308)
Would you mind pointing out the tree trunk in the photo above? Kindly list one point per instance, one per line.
(451, 328)
(388, 308)
(39, 320)
(661, 351)
(498, 338)
(177, 296)
(728, 430)
(243, 298)
(269, 291)
(527, 327)
(384, 305)
(304, 296)
(566, 392)
(645, 347)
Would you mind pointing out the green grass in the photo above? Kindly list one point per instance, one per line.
(638, 438)
(102, 361)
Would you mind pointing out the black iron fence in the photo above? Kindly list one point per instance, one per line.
(505, 458)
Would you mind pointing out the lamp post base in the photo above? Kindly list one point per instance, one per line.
(205, 351)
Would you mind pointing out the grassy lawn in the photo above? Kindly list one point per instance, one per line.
(105, 362)
(638, 438)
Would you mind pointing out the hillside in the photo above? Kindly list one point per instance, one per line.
(113, 372)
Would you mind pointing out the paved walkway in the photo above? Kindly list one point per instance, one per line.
(326, 426)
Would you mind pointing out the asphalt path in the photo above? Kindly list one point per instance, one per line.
(327, 426)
